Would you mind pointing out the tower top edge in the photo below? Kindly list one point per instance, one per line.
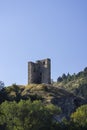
(44, 60)
(30, 62)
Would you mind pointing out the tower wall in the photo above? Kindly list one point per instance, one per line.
(39, 72)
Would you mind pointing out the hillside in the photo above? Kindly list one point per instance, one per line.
(76, 83)
(69, 92)
(48, 94)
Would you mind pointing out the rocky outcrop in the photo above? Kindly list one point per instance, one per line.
(47, 94)
(68, 104)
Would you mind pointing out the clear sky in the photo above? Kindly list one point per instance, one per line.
(31, 30)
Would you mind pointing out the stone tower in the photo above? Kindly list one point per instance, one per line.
(39, 72)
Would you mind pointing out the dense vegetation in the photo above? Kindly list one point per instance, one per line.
(60, 106)
(27, 115)
(66, 78)
(76, 83)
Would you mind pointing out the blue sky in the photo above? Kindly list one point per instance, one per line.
(31, 30)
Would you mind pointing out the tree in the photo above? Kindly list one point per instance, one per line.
(59, 79)
(85, 69)
(1, 84)
(26, 115)
(80, 116)
(69, 77)
(64, 76)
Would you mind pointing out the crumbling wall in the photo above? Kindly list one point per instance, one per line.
(39, 72)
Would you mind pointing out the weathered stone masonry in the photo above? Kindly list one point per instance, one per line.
(39, 72)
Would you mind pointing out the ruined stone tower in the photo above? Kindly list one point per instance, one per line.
(39, 72)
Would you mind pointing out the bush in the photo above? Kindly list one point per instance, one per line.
(26, 115)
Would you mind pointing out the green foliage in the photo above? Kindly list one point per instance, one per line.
(76, 83)
(68, 77)
(3, 95)
(14, 93)
(80, 116)
(2, 84)
(26, 115)
(59, 79)
(30, 113)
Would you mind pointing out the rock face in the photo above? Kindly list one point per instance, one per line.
(81, 91)
(68, 103)
(47, 93)
(39, 72)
